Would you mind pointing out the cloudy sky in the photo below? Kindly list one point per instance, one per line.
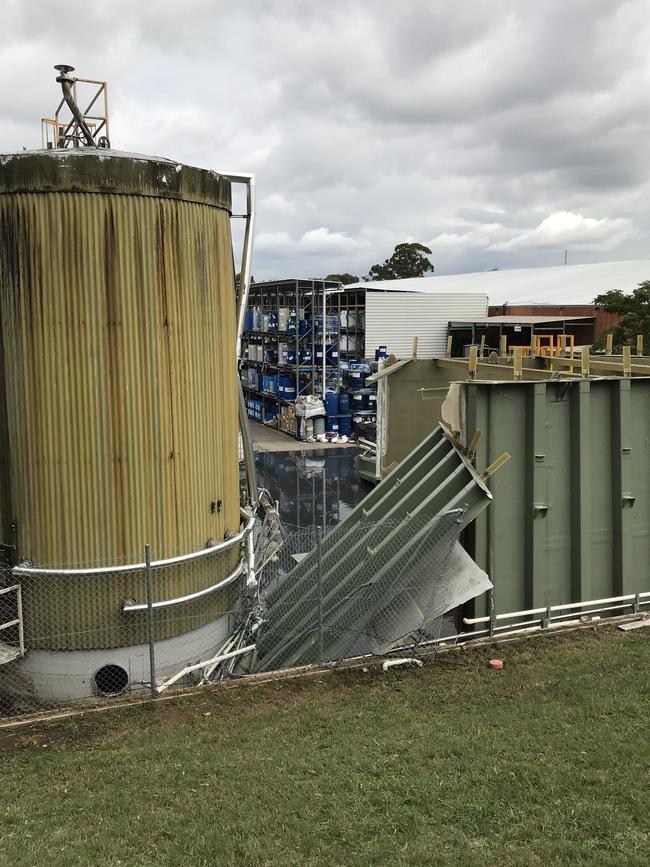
(496, 133)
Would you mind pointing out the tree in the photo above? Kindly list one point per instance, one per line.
(408, 260)
(238, 277)
(346, 279)
(633, 309)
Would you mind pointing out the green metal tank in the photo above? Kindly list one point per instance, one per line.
(118, 391)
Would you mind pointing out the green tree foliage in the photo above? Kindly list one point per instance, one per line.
(408, 260)
(346, 279)
(238, 277)
(633, 309)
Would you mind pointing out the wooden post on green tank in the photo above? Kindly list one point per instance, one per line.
(639, 344)
(473, 359)
(627, 361)
(503, 346)
(609, 344)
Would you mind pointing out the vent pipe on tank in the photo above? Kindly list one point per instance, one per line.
(67, 81)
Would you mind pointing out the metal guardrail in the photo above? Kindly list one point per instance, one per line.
(18, 620)
(36, 571)
(544, 617)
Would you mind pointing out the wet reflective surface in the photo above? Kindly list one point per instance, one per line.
(313, 487)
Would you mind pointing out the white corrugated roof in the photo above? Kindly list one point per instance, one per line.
(562, 284)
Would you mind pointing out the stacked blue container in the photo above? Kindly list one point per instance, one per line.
(333, 354)
(332, 409)
(345, 419)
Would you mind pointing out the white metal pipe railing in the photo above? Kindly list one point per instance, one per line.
(18, 620)
(217, 548)
(130, 606)
(241, 305)
(247, 250)
(630, 598)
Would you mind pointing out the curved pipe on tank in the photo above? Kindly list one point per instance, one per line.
(247, 444)
(66, 82)
(190, 597)
(155, 564)
(242, 303)
(247, 252)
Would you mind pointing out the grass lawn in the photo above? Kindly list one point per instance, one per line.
(544, 762)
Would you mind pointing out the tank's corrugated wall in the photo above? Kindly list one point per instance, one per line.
(570, 519)
(118, 328)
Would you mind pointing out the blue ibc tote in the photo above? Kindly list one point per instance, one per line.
(344, 403)
(381, 352)
(333, 354)
(345, 425)
(359, 402)
(356, 378)
(331, 403)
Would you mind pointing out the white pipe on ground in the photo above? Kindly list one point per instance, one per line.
(207, 662)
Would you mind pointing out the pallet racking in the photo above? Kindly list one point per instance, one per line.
(304, 350)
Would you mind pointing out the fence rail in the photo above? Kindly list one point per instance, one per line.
(13, 648)
(299, 596)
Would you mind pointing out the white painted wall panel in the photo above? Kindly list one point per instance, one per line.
(394, 318)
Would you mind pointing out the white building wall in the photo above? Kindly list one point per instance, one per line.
(393, 319)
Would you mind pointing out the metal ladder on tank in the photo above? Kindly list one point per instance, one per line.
(11, 650)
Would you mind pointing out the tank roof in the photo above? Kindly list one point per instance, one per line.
(90, 170)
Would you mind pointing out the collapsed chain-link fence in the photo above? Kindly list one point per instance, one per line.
(289, 596)
(366, 587)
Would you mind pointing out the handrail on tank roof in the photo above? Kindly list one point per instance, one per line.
(242, 304)
(219, 547)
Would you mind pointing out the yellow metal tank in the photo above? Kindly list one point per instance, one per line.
(118, 400)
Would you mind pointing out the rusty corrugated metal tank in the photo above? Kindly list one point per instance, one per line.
(118, 401)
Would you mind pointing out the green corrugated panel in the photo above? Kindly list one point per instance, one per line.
(571, 514)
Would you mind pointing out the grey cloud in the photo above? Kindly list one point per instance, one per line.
(467, 124)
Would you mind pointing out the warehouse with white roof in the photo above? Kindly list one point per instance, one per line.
(398, 310)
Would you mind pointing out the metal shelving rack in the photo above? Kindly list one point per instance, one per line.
(353, 326)
(318, 299)
(354, 302)
(308, 495)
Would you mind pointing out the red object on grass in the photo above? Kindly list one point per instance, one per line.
(496, 663)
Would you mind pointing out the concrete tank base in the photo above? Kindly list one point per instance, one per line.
(55, 677)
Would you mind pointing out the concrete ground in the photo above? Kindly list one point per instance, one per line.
(267, 439)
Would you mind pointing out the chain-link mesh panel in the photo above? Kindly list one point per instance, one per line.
(77, 635)
(364, 587)
(71, 634)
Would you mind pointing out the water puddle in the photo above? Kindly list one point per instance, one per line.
(316, 487)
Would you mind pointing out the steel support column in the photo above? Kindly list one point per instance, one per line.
(580, 490)
(622, 483)
(536, 495)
